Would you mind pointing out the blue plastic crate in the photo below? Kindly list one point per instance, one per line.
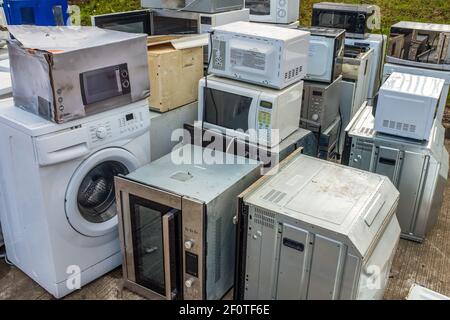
(36, 12)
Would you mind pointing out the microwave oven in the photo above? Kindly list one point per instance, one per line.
(259, 53)
(248, 112)
(204, 6)
(408, 105)
(167, 22)
(423, 45)
(273, 11)
(326, 50)
(176, 223)
(356, 19)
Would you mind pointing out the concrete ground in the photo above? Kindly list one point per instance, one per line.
(427, 264)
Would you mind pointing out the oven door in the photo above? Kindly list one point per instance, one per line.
(169, 22)
(132, 22)
(151, 239)
(229, 109)
(335, 19)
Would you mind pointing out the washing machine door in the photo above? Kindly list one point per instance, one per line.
(90, 196)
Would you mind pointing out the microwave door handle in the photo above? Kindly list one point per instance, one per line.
(166, 219)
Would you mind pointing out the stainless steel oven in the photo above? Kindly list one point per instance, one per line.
(176, 224)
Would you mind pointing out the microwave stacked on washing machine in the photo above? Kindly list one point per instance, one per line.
(273, 11)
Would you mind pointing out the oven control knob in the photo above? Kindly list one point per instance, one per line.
(101, 132)
(189, 282)
(315, 117)
(189, 244)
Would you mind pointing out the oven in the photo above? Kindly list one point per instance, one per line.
(204, 6)
(176, 225)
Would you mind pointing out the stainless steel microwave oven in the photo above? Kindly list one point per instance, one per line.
(176, 224)
(356, 19)
(205, 6)
(165, 22)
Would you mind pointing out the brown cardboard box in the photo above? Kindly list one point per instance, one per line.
(175, 67)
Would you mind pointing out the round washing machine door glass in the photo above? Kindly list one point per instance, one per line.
(90, 196)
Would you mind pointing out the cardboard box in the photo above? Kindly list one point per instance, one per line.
(66, 73)
(175, 66)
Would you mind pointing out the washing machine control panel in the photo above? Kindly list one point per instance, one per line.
(118, 127)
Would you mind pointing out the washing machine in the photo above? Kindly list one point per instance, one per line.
(59, 219)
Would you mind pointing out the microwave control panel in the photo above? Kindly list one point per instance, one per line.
(265, 121)
(193, 249)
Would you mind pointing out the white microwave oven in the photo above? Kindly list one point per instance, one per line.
(273, 11)
(248, 112)
(408, 105)
(326, 52)
(259, 53)
(167, 22)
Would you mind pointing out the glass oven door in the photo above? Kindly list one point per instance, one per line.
(155, 236)
(168, 22)
(227, 109)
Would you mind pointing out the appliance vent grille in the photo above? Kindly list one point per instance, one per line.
(366, 131)
(264, 218)
(275, 196)
(399, 126)
(363, 146)
(293, 73)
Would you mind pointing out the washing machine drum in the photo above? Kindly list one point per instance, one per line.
(96, 196)
(90, 197)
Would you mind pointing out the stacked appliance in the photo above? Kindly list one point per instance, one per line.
(66, 134)
(321, 95)
(358, 20)
(293, 247)
(420, 49)
(405, 142)
(282, 12)
(255, 92)
(177, 230)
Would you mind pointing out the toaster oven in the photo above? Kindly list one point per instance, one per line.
(176, 224)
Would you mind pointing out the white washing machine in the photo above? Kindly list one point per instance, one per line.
(59, 218)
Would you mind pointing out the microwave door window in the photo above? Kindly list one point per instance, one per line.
(100, 85)
(169, 25)
(131, 22)
(227, 110)
(258, 7)
(149, 248)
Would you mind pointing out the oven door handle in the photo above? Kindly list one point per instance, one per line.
(166, 220)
